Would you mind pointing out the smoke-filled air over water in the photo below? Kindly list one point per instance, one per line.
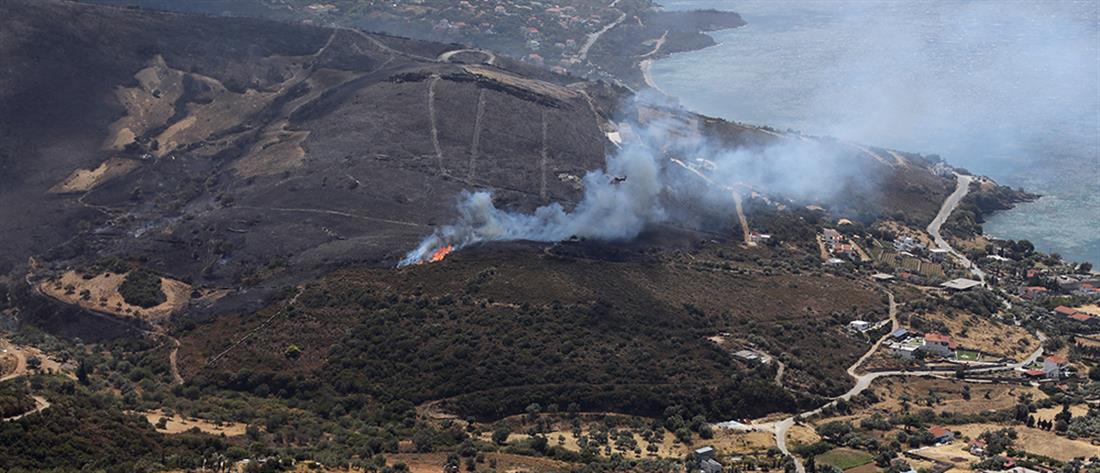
(656, 158)
(1008, 89)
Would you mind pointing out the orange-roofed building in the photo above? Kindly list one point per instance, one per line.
(939, 344)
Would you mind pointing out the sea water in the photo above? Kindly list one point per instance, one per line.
(1006, 89)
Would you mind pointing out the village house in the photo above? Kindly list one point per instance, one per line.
(977, 448)
(1054, 366)
(759, 238)
(960, 284)
(860, 326)
(939, 344)
(748, 356)
(1087, 289)
(941, 434)
(832, 237)
(1064, 311)
(707, 463)
(906, 349)
(1033, 292)
(900, 333)
(938, 254)
(907, 244)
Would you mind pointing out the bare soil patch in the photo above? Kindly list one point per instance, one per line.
(83, 180)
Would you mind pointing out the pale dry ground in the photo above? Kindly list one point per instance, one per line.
(1090, 308)
(977, 242)
(83, 180)
(802, 435)
(106, 298)
(1087, 342)
(955, 453)
(902, 230)
(279, 148)
(986, 335)
(725, 441)
(148, 105)
(152, 103)
(1048, 413)
(508, 463)
(1037, 441)
(1001, 396)
(15, 360)
(177, 424)
(531, 85)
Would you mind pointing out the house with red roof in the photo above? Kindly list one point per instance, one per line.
(1033, 292)
(1064, 311)
(1081, 317)
(941, 434)
(939, 344)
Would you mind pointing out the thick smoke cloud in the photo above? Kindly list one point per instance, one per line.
(659, 158)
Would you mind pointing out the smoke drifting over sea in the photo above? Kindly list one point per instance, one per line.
(658, 158)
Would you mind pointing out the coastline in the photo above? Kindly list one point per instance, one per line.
(626, 51)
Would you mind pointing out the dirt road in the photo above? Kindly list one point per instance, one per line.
(40, 404)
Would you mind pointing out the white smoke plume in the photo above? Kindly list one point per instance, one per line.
(655, 162)
(607, 211)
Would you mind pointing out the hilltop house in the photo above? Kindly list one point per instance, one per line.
(832, 237)
(939, 344)
(1054, 366)
(941, 434)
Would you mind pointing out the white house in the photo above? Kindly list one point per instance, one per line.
(859, 326)
(1054, 366)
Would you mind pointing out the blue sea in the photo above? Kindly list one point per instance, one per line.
(1006, 89)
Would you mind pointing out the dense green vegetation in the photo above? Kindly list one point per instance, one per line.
(87, 430)
(142, 288)
(14, 399)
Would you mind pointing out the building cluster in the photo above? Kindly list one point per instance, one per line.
(552, 32)
(1053, 367)
(1069, 313)
(840, 248)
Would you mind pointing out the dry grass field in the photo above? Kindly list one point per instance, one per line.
(971, 331)
(1039, 442)
(433, 462)
(178, 424)
(103, 295)
(949, 395)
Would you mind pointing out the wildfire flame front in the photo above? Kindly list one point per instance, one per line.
(441, 253)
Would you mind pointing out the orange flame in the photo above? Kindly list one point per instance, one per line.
(441, 253)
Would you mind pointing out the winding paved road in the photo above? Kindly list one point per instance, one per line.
(962, 187)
